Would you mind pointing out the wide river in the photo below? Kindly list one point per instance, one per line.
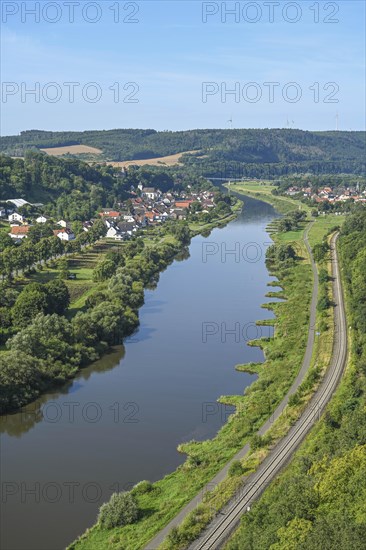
(121, 420)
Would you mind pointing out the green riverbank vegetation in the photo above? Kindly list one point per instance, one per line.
(52, 327)
(283, 357)
(64, 304)
(318, 502)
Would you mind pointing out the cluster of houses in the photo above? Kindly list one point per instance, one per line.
(148, 206)
(327, 194)
(19, 225)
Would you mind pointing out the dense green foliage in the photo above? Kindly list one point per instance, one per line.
(53, 297)
(223, 153)
(120, 510)
(280, 255)
(291, 221)
(30, 252)
(69, 188)
(55, 346)
(318, 503)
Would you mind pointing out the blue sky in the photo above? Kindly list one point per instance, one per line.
(175, 65)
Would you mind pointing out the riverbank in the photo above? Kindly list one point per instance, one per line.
(95, 272)
(283, 357)
(261, 445)
(322, 492)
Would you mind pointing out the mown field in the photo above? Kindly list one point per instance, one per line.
(169, 160)
(72, 150)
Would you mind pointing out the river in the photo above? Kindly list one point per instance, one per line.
(121, 419)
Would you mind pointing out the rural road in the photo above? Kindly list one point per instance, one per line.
(224, 524)
(159, 538)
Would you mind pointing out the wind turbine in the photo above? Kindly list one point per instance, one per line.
(230, 121)
(337, 122)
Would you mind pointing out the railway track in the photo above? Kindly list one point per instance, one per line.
(224, 524)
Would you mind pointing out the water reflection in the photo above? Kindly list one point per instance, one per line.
(20, 422)
(123, 417)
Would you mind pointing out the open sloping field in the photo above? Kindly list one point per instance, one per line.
(71, 150)
(170, 160)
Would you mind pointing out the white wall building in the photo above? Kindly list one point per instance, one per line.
(15, 217)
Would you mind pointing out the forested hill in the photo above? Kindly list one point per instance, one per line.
(239, 145)
(67, 187)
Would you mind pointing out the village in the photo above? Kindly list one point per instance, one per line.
(329, 194)
(146, 207)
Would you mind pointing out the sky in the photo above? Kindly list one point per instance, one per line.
(179, 65)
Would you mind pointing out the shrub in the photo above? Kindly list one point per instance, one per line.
(323, 303)
(323, 276)
(294, 400)
(235, 468)
(142, 487)
(121, 510)
(256, 442)
(323, 325)
(174, 536)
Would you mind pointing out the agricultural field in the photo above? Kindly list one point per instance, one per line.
(170, 160)
(72, 150)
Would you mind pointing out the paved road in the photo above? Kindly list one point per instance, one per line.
(158, 539)
(224, 524)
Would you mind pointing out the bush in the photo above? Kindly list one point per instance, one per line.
(294, 400)
(323, 325)
(174, 536)
(320, 251)
(323, 303)
(256, 442)
(142, 487)
(323, 276)
(121, 510)
(235, 469)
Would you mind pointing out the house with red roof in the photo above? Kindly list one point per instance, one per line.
(19, 232)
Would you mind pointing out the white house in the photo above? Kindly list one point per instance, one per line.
(128, 218)
(63, 223)
(150, 193)
(112, 233)
(42, 219)
(64, 234)
(15, 217)
(19, 233)
(108, 223)
(2, 212)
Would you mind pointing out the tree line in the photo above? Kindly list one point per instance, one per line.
(319, 501)
(46, 346)
(253, 146)
(31, 252)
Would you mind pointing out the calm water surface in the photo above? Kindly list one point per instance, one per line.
(121, 420)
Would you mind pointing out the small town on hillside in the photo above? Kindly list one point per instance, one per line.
(329, 194)
(146, 207)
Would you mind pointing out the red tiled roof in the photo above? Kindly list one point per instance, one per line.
(183, 204)
(110, 214)
(19, 230)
